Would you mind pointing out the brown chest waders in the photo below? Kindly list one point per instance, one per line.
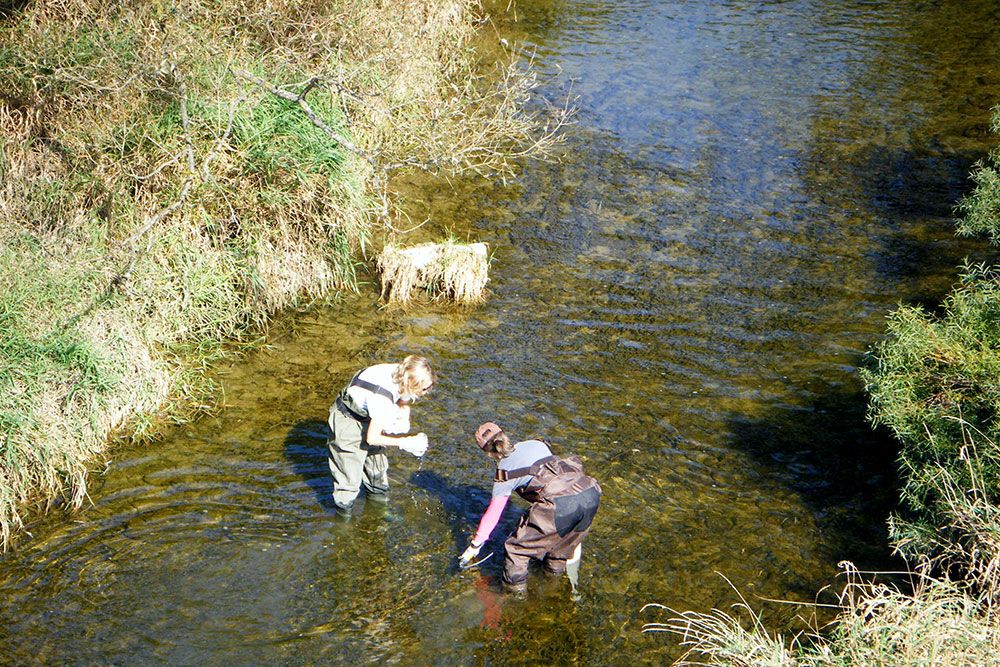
(563, 501)
(353, 461)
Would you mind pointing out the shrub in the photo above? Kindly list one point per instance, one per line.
(980, 211)
(935, 381)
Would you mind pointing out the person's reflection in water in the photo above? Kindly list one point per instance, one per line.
(492, 605)
(545, 628)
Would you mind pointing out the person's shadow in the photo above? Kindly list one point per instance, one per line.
(463, 505)
(305, 449)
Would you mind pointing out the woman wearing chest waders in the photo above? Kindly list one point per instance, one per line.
(563, 503)
(370, 414)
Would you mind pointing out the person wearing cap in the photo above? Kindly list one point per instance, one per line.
(371, 414)
(563, 501)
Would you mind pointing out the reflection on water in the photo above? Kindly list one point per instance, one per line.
(683, 300)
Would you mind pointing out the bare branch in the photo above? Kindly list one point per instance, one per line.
(308, 111)
(186, 123)
(223, 138)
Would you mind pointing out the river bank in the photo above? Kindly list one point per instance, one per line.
(171, 175)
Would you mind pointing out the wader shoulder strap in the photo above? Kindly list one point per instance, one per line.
(351, 411)
(348, 405)
(374, 388)
(504, 475)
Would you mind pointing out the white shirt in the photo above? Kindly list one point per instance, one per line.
(377, 406)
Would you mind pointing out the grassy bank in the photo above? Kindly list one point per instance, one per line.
(172, 173)
(934, 381)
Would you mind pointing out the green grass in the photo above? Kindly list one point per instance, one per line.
(277, 137)
(40, 359)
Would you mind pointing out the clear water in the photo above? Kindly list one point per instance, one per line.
(684, 300)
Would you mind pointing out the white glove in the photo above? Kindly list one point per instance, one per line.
(415, 444)
(469, 554)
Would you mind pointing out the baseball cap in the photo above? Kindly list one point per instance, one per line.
(485, 432)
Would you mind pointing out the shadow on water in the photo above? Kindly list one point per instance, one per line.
(842, 468)
(305, 450)
(915, 192)
(915, 183)
(463, 505)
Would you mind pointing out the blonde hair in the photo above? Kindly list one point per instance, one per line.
(412, 373)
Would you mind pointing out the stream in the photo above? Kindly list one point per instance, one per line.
(683, 299)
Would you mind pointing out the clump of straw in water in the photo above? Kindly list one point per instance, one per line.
(456, 271)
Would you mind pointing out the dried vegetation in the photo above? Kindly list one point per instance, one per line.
(451, 270)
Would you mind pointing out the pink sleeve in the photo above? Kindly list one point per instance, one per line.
(491, 517)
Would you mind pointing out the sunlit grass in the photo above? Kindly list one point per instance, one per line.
(878, 626)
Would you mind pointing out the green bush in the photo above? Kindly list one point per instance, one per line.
(935, 381)
(980, 210)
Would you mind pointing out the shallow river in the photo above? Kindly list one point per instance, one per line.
(684, 300)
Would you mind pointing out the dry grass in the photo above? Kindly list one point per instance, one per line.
(938, 623)
(725, 639)
(454, 271)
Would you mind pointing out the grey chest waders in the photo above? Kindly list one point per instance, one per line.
(353, 462)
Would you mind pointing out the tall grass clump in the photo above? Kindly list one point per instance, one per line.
(937, 623)
(171, 174)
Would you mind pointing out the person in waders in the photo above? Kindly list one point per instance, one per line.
(371, 414)
(563, 504)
